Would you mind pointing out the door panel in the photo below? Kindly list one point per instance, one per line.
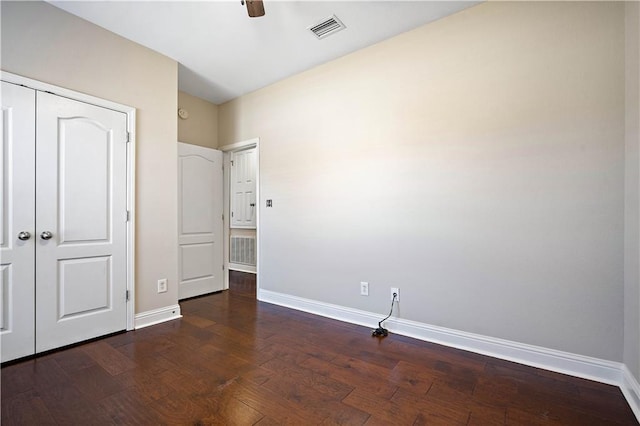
(243, 189)
(196, 261)
(84, 286)
(84, 164)
(198, 203)
(5, 297)
(199, 220)
(81, 201)
(17, 214)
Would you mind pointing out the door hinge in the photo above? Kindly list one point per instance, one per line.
(223, 266)
(223, 217)
(127, 295)
(128, 137)
(231, 214)
(128, 215)
(231, 163)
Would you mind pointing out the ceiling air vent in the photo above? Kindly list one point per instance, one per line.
(328, 26)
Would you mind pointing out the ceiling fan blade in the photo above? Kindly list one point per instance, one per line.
(255, 8)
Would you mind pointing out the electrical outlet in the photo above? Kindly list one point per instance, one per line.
(397, 292)
(162, 285)
(364, 288)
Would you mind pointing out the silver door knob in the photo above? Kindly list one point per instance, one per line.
(46, 235)
(24, 236)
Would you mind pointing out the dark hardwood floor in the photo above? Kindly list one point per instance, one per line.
(232, 360)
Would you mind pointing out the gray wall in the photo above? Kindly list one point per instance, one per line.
(201, 128)
(477, 163)
(632, 190)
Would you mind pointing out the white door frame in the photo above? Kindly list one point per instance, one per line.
(227, 150)
(131, 161)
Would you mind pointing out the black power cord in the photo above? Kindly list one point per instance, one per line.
(381, 331)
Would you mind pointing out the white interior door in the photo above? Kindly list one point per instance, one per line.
(17, 215)
(81, 221)
(243, 189)
(200, 228)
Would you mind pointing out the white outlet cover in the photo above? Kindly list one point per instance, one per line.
(162, 285)
(364, 288)
(397, 292)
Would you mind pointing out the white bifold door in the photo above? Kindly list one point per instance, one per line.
(64, 220)
(200, 230)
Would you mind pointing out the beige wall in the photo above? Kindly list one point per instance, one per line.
(42, 42)
(632, 190)
(201, 128)
(477, 163)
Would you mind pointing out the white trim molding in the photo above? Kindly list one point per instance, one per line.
(536, 356)
(242, 268)
(131, 224)
(600, 370)
(238, 146)
(156, 316)
(631, 390)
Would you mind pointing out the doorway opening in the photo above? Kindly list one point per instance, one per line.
(241, 195)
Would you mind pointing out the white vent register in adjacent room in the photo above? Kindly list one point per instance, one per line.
(243, 250)
(327, 27)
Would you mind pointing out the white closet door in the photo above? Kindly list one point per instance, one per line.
(243, 189)
(199, 220)
(17, 215)
(81, 221)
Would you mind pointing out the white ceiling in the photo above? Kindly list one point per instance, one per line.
(224, 54)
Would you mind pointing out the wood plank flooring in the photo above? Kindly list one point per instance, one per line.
(234, 361)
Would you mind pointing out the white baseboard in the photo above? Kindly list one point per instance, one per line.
(242, 268)
(631, 390)
(600, 370)
(536, 356)
(350, 315)
(156, 316)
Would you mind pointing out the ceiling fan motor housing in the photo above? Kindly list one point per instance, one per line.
(255, 8)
